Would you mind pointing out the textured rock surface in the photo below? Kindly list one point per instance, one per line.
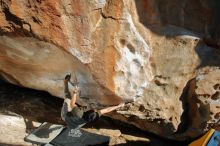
(119, 50)
(203, 100)
(18, 121)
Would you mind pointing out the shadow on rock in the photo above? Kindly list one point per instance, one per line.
(32, 105)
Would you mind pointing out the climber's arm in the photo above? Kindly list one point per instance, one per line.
(110, 109)
(73, 100)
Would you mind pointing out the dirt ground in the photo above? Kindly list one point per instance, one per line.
(27, 109)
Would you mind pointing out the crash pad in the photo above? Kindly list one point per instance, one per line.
(57, 135)
(79, 137)
(44, 134)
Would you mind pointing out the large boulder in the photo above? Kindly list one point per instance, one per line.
(119, 50)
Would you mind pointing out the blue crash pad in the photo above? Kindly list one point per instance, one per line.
(215, 139)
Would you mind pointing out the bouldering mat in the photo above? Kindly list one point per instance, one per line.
(57, 135)
(73, 137)
(45, 133)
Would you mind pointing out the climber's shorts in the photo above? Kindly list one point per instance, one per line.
(91, 115)
(76, 122)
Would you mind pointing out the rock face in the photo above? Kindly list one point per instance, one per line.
(150, 52)
(203, 100)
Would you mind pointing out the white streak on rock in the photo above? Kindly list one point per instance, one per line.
(133, 71)
(100, 3)
(80, 56)
(137, 34)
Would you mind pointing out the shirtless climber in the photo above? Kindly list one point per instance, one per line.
(75, 115)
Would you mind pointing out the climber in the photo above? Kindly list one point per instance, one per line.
(75, 115)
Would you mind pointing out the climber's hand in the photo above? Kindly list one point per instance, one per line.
(75, 89)
(121, 105)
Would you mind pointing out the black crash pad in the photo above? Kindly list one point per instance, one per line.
(57, 135)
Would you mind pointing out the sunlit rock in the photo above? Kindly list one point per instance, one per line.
(119, 51)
